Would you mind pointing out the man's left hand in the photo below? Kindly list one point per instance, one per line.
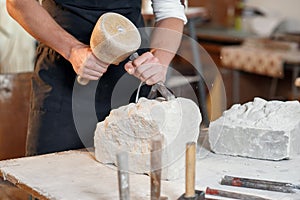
(147, 68)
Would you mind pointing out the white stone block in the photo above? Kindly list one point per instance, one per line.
(260, 129)
(130, 128)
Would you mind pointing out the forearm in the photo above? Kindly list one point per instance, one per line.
(36, 21)
(166, 39)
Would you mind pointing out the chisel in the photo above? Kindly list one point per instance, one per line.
(155, 163)
(232, 195)
(259, 184)
(123, 175)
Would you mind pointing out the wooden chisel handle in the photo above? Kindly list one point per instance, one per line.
(190, 162)
(123, 175)
(155, 162)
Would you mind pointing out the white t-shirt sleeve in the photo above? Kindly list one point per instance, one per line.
(163, 9)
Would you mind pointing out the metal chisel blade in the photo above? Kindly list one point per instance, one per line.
(163, 90)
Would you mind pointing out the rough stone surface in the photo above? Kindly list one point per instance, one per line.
(130, 128)
(259, 129)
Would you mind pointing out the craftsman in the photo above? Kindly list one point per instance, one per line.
(63, 29)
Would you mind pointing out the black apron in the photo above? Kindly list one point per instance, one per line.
(51, 124)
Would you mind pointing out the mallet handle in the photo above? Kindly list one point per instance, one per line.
(82, 81)
(190, 162)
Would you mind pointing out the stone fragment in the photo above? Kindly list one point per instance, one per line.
(260, 129)
(130, 128)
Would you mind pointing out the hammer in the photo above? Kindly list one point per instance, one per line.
(190, 165)
(113, 39)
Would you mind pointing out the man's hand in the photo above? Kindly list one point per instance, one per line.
(53, 35)
(147, 68)
(86, 64)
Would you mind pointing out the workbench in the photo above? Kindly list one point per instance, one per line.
(76, 174)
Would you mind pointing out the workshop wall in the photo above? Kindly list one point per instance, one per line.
(17, 46)
(288, 9)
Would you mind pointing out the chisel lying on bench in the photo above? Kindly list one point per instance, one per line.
(260, 184)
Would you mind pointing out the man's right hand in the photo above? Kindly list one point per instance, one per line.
(86, 64)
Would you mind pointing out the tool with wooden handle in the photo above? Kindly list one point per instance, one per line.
(190, 169)
(113, 39)
(155, 163)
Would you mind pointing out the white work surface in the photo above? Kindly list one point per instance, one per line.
(75, 175)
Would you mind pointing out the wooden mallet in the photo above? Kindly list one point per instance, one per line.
(190, 165)
(114, 38)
